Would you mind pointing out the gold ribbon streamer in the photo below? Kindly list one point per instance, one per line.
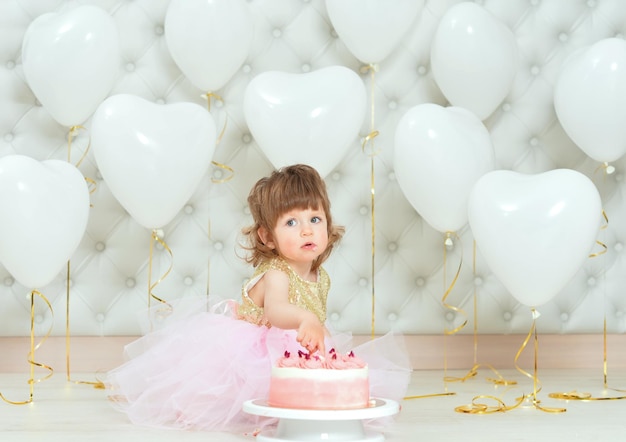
(369, 139)
(91, 185)
(33, 348)
(167, 307)
(574, 394)
(448, 290)
(95, 384)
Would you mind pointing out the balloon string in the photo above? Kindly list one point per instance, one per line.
(91, 183)
(33, 348)
(448, 290)
(95, 384)
(574, 394)
(499, 380)
(167, 307)
(369, 139)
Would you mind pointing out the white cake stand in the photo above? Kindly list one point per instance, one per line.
(321, 425)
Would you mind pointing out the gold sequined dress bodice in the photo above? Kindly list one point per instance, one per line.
(308, 295)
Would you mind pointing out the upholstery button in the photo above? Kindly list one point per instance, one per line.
(8, 281)
(277, 33)
(421, 70)
(334, 316)
(507, 316)
(392, 105)
(158, 30)
(336, 176)
(533, 142)
(450, 316)
(591, 281)
(591, 3)
(478, 281)
(100, 246)
(391, 176)
(188, 281)
(506, 107)
(334, 34)
(10, 64)
(218, 245)
(100, 317)
(363, 282)
(618, 247)
(38, 319)
(564, 316)
(246, 69)
(535, 70)
(160, 101)
(188, 209)
(420, 282)
(306, 67)
(130, 282)
(130, 67)
(392, 246)
(246, 138)
(218, 174)
(8, 137)
(392, 317)
(563, 37)
(364, 210)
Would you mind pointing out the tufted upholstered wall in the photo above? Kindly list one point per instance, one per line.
(109, 270)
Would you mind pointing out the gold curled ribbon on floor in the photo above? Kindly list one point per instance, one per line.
(369, 140)
(33, 348)
(477, 407)
(166, 308)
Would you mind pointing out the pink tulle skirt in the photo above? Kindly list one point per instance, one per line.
(196, 372)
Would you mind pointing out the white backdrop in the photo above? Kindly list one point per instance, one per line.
(109, 270)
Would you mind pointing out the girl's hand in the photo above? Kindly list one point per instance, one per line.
(311, 335)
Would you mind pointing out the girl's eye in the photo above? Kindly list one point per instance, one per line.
(291, 222)
(316, 219)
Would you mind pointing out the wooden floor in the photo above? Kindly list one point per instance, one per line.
(64, 410)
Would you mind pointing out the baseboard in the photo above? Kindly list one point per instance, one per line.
(427, 352)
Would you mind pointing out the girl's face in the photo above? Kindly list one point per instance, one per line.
(300, 236)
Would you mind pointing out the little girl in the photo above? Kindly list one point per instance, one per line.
(197, 372)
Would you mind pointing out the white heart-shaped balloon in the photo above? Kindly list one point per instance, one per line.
(474, 58)
(71, 61)
(45, 208)
(371, 29)
(152, 156)
(535, 231)
(309, 118)
(208, 40)
(439, 155)
(590, 99)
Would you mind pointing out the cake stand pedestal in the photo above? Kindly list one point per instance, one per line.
(321, 425)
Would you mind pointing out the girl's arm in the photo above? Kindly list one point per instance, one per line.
(282, 314)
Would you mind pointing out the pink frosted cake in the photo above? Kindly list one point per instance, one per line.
(303, 381)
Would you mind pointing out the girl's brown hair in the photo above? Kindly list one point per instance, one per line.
(292, 187)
